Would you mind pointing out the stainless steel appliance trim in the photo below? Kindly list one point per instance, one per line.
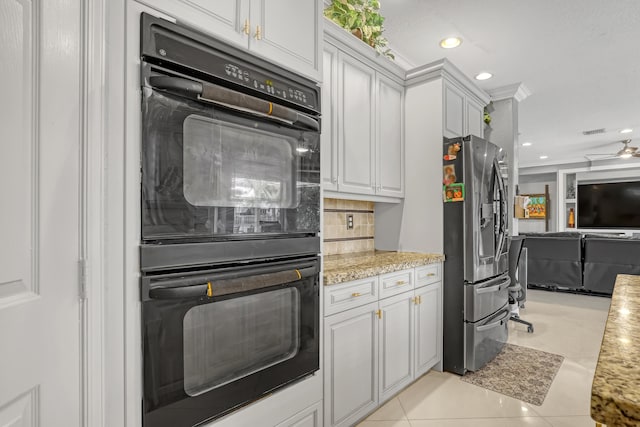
(484, 340)
(156, 257)
(485, 298)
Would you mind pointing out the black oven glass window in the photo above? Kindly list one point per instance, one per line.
(209, 173)
(231, 339)
(236, 166)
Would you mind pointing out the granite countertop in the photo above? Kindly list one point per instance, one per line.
(347, 267)
(615, 393)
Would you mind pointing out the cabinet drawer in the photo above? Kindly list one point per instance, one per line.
(342, 297)
(396, 283)
(426, 274)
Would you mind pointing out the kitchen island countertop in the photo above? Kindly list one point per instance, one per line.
(359, 265)
(615, 393)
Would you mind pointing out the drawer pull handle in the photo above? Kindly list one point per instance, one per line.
(431, 274)
(379, 314)
(356, 294)
(400, 282)
(416, 300)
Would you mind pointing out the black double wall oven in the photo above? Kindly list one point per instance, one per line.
(230, 203)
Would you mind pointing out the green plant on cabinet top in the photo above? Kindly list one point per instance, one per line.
(362, 19)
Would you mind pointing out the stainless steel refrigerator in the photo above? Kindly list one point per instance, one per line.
(476, 244)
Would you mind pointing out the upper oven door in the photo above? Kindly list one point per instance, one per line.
(216, 169)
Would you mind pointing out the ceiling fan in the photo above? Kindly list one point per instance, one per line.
(624, 153)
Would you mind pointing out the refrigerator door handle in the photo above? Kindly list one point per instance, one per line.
(495, 288)
(495, 324)
(503, 208)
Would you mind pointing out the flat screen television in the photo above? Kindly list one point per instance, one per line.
(609, 205)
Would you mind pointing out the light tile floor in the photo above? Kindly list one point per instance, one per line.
(566, 324)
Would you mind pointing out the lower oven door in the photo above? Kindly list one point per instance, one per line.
(216, 340)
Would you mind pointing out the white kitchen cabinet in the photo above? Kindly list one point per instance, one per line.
(368, 117)
(365, 131)
(356, 143)
(329, 135)
(475, 118)
(288, 32)
(462, 114)
(389, 137)
(308, 417)
(396, 343)
(427, 327)
(453, 111)
(374, 349)
(351, 364)
(284, 31)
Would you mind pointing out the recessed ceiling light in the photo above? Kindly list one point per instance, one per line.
(626, 130)
(484, 76)
(450, 42)
(544, 157)
(527, 144)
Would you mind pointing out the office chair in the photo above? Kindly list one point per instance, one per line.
(517, 294)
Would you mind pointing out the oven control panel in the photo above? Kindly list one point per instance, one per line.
(270, 85)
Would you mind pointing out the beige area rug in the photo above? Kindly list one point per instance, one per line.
(519, 372)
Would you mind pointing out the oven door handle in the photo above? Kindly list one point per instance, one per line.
(238, 101)
(224, 284)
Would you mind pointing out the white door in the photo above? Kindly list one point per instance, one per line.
(428, 327)
(289, 33)
(329, 135)
(40, 369)
(355, 133)
(396, 344)
(350, 365)
(453, 111)
(389, 138)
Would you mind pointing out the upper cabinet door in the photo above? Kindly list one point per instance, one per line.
(223, 18)
(475, 119)
(288, 32)
(355, 135)
(329, 136)
(390, 138)
(453, 111)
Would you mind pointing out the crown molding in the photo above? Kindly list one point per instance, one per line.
(517, 91)
(444, 68)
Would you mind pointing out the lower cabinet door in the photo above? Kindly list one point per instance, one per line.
(351, 364)
(396, 343)
(308, 417)
(428, 321)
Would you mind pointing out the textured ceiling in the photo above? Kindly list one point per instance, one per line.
(580, 59)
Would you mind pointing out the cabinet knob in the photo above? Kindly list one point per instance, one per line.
(379, 314)
(247, 27)
(356, 294)
(415, 300)
(258, 35)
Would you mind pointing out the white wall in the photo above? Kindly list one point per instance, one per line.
(416, 223)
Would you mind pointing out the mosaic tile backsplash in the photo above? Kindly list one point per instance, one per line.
(337, 238)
